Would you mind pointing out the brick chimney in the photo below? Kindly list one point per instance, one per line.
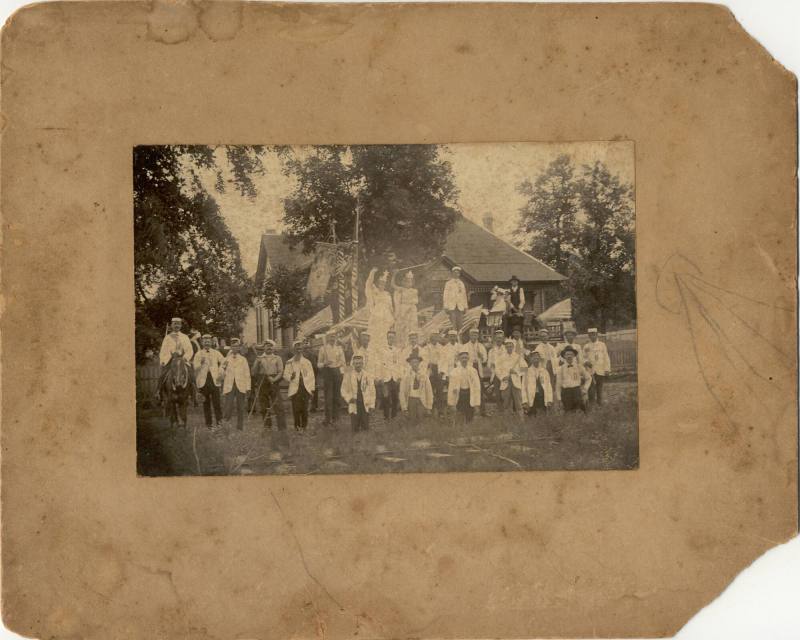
(488, 221)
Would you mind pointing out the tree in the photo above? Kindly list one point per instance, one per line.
(548, 218)
(603, 277)
(581, 223)
(406, 195)
(186, 261)
(284, 293)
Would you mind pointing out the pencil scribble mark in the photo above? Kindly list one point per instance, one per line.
(747, 373)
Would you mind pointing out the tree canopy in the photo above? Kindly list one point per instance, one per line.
(405, 193)
(186, 261)
(581, 223)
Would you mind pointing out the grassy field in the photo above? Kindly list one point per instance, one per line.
(605, 438)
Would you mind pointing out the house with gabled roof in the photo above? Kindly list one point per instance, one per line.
(486, 260)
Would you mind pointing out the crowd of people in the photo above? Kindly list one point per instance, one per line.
(438, 375)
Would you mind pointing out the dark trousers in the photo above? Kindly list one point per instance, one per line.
(332, 386)
(359, 421)
(538, 403)
(513, 322)
(416, 410)
(273, 404)
(572, 399)
(391, 399)
(456, 317)
(300, 408)
(596, 390)
(463, 406)
(238, 399)
(439, 392)
(210, 393)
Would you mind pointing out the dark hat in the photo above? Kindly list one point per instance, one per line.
(512, 278)
(569, 348)
(413, 356)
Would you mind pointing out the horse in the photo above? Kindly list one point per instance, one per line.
(177, 386)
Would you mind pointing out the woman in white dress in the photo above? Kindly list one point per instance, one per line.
(406, 299)
(381, 313)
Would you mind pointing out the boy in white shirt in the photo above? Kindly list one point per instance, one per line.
(299, 373)
(572, 382)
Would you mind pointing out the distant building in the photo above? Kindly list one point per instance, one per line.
(259, 324)
(486, 260)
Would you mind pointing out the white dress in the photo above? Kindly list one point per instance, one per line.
(405, 304)
(381, 319)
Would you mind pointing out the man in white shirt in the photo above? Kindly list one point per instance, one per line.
(596, 353)
(572, 382)
(478, 359)
(392, 371)
(432, 353)
(207, 366)
(537, 393)
(569, 341)
(454, 298)
(548, 354)
(510, 368)
(415, 348)
(331, 365)
(267, 374)
(519, 343)
(299, 373)
(361, 348)
(358, 391)
(464, 388)
(237, 383)
(416, 394)
(448, 353)
(175, 342)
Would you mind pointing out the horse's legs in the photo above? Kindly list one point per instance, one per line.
(182, 410)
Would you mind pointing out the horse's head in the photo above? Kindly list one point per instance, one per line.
(179, 370)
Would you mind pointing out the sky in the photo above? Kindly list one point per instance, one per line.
(486, 174)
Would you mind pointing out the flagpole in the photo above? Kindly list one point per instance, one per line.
(354, 279)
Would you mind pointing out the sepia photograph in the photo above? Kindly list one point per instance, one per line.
(385, 308)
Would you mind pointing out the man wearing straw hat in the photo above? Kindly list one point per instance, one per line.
(208, 370)
(268, 369)
(358, 391)
(236, 384)
(464, 388)
(596, 352)
(331, 365)
(299, 373)
(175, 342)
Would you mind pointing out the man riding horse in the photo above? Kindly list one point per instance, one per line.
(176, 383)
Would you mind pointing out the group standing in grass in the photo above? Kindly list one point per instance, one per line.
(440, 377)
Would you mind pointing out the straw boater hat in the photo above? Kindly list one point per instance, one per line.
(207, 335)
(269, 343)
(260, 347)
(455, 269)
(176, 319)
(499, 332)
(297, 343)
(570, 330)
(592, 330)
(462, 352)
(235, 342)
(452, 332)
(474, 331)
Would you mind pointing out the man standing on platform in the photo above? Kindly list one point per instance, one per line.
(454, 298)
(331, 365)
(299, 373)
(207, 365)
(515, 317)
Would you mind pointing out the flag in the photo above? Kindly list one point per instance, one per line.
(322, 268)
